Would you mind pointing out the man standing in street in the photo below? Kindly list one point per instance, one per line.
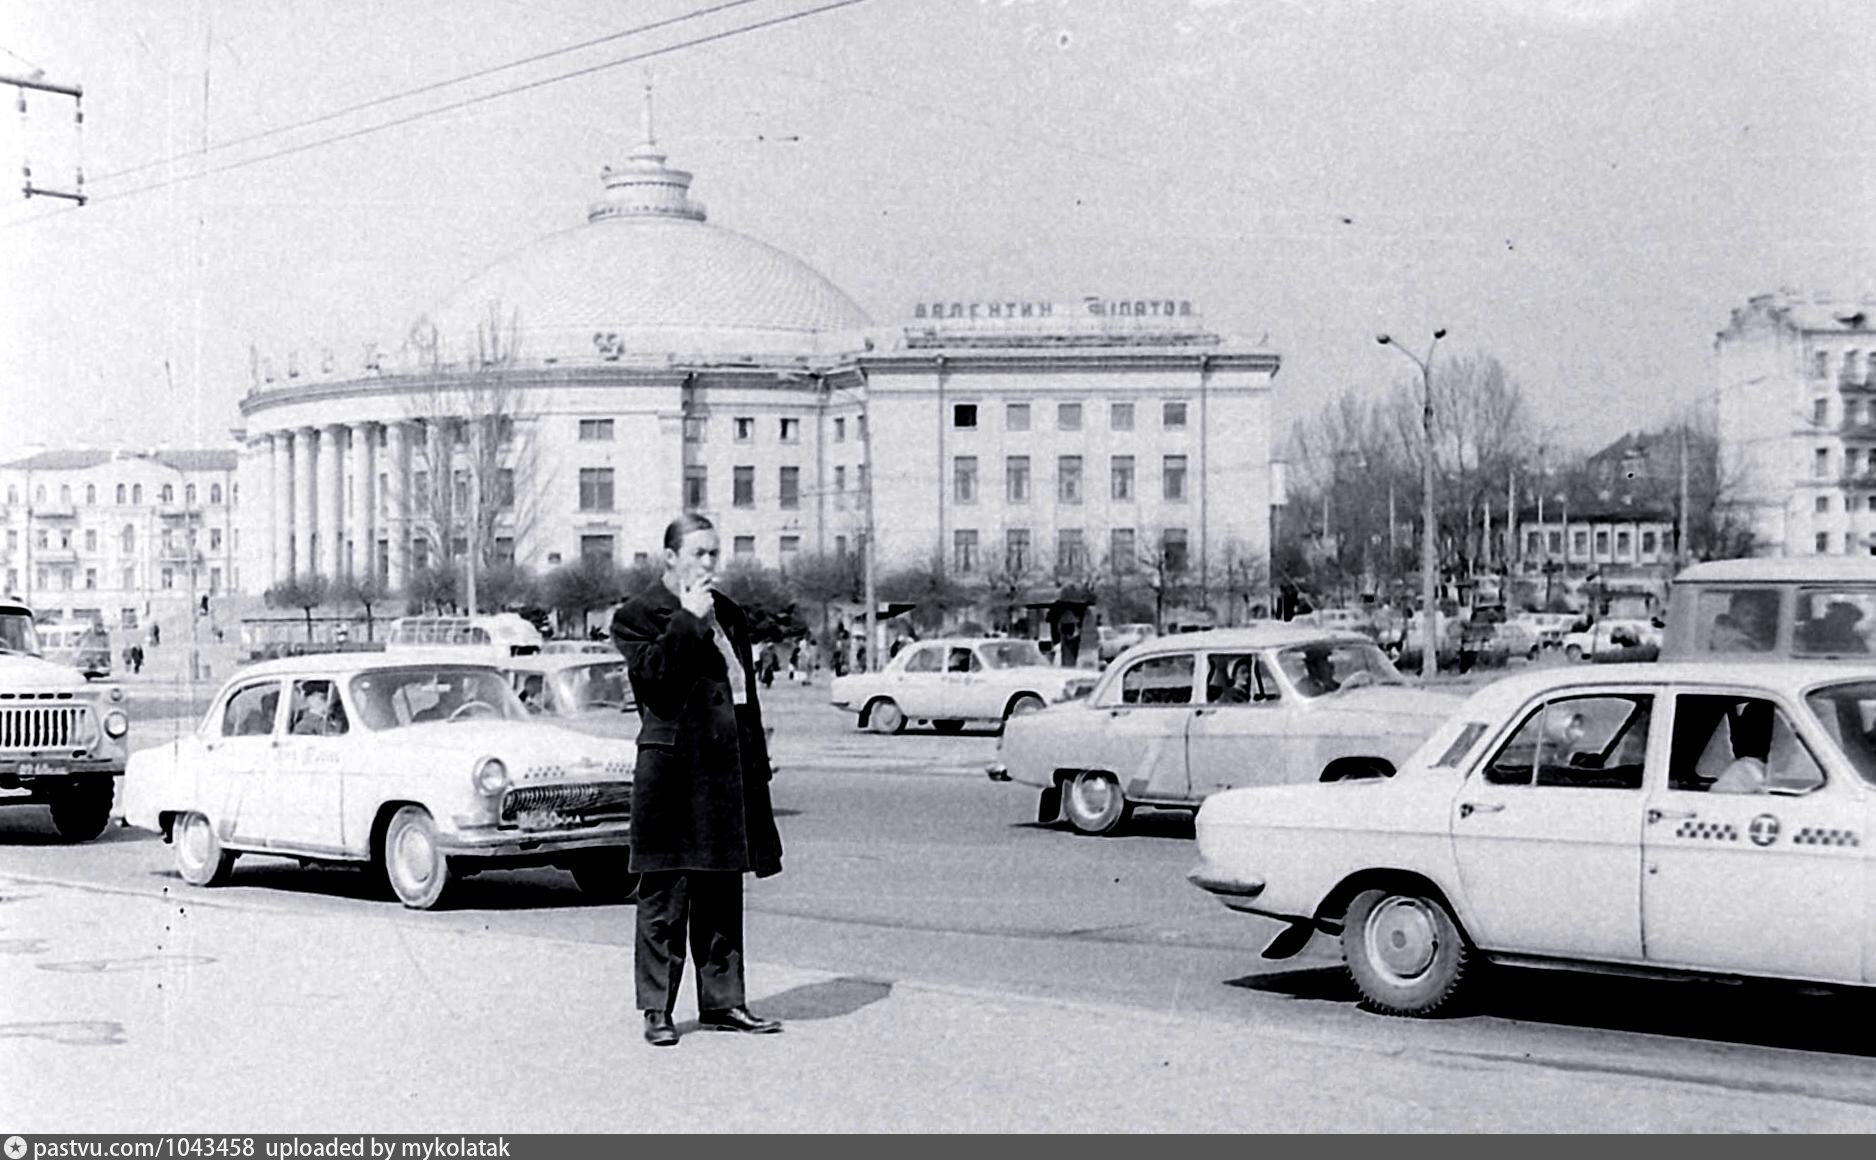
(701, 815)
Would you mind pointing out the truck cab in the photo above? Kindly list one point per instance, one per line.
(63, 738)
(1789, 608)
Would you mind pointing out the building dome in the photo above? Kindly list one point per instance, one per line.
(648, 280)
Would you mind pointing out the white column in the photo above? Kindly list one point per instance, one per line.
(397, 523)
(281, 474)
(303, 506)
(362, 516)
(331, 502)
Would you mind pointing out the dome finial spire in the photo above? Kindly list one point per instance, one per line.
(650, 138)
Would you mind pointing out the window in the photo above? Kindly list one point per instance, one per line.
(1173, 478)
(459, 488)
(840, 546)
(1595, 742)
(315, 710)
(505, 489)
(1071, 552)
(964, 479)
(963, 660)
(1173, 550)
(595, 489)
(1172, 415)
(1120, 416)
(596, 547)
(188, 494)
(120, 495)
(1016, 417)
(1163, 680)
(1016, 479)
(91, 539)
(169, 578)
(1462, 744)
(929, 658)
(1016, 551)
(1121, 556)
(1556, 543)
(1849, 461)
(788, 488)
(595, 430)
(65, 494)
(964, 416)
(1871, 505)
(1068, 479)
(840, 488)
(1533, 543)
(167, 494)
(790, 548)
(745, 428)
(384, 494)
(127, 540)
(91, 494)
(1602, 542)
(136, 493)
(44, 538)
(1823, 543)
(1650, 543)
(790, 430)
(214, 493)
(1820, 463)
(1820, 411)
(1120, 478)
(744, 547)
(840, 430)
(250, 711)
(1622, 544)
(1730, 744)
(214, 539)
(964, 551)
(1579, 544)
(505, 550)
(1821, 504)
(130, 579)
(1068, 416)
(420, 491)
(743, 486)
(91, 578)
(696, 487)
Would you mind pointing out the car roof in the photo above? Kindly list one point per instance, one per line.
(1791, 677)
(347, 664)
(1269, 634)
(554, 662)
(1781, 569)
(969, 641)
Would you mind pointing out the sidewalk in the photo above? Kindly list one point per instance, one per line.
(128, 1012)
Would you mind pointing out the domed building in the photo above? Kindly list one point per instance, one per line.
(572, 397)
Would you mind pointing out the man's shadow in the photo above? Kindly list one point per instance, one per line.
(829, 999)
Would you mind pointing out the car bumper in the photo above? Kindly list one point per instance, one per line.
(1233, 889)
(509, 842)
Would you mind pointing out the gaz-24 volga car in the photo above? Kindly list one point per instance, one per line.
(1180, 717)
(424, 767)
(1643, 818)
(950, 682)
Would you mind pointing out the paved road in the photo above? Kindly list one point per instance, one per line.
(905, 864)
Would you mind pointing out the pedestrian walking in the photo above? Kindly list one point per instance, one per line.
(156, 635)
(136, 658)
(701, 815)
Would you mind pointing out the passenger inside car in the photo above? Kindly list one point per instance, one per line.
(1738, 745)
(1749, 624)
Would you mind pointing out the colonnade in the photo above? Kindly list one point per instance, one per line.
(328, 514)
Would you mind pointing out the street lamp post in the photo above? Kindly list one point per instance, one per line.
(1429, 646)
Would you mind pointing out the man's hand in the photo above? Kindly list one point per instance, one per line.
(697, 601)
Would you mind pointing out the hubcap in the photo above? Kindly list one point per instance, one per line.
(416, 857)
(1402, 938)
(1026, 705)
(1096, 795)
(194, 842)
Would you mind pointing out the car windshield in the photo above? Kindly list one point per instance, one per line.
(1010, 654)
(17, 635)
(1847, 712)
(395, 698)
(1326, 667)
(599, 686)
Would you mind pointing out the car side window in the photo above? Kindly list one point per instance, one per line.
(927, 659)
(250, 711)
(1731, 744)
(316, 710)
(1164, 680)
(1238, 679)
(1593, 742)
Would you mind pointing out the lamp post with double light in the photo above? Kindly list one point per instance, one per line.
(1429, 644)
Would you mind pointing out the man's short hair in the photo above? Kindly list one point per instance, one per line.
(684, 525)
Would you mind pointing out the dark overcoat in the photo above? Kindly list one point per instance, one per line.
(700, 793)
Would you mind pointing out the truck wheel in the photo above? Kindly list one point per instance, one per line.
(883, 716)
(200, 860)
(414, 864)
(604, 876)
(80, 812)
(1093, 802)
(1404, 952)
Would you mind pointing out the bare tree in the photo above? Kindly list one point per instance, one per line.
(305, 592)
(366, 591)
(1008, 582)
(1244, 576)
(934, 593)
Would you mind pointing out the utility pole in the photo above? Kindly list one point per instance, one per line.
(1429, 646)
(1681, 548)
(475, 507)
(872, 551)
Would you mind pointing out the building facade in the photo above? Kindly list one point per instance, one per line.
(1797, 422)
(120, 537)
(573, 397)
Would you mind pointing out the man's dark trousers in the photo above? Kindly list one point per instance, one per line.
(710, 904)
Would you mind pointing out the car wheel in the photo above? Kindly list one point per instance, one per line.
(1404, 952)
(1572, 652)
(883, 716)
(199, 857)
(414, 864)
(80, 813)
(1094, 804)
(948, 726)
(1023, 703)
(605, 876)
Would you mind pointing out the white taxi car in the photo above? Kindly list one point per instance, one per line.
(589, 692)
(949, 682)
(423, 765)
(1637, 818)
(1181, 717)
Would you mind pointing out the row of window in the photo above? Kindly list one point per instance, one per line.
(1850, 545)
(131, 494)
(742, 429)
(1822, 503)
(1068, 416)
(126, 539)
(1072, 557)
(1068, 479)
(67, 580)
(1537, 542)
(1855, 462)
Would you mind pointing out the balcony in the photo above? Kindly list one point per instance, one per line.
(55, 556)
(55, 510)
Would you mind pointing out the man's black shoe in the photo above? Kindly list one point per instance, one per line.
(659, 1030)
(738, 1019)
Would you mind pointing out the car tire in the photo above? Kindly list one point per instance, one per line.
(1404, 952)
(606, 876)
(948, 726)
(1572, 652)
(81, 812)
(200, 860)
(414, 865)
(1093, 803)
(1023, 703)
(885, 716)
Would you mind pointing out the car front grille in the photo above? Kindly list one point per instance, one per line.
(585, 801)
(34, 727)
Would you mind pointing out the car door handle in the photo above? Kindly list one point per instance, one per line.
(1655, 815)
(1467, 809)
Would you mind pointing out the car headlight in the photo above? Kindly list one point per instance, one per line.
(116, 724)
(491, 776)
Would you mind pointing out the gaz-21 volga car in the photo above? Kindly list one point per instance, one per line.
(1180, 717)
(590, 692)
(1643, 818)
(423, 766)
(950, 682)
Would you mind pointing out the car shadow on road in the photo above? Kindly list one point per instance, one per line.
(538, 888)
(1145, 823)
(828, 999)
(32, 826)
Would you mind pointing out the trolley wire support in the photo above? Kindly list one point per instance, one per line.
(77, 93)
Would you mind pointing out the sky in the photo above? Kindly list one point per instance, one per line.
(1584, 189)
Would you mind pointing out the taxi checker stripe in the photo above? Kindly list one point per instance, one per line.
(1717, 831)
(1824, 836)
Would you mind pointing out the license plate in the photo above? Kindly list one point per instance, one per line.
(41, 769)
(543, 820)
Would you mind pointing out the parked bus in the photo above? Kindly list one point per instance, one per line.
(83, 645)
